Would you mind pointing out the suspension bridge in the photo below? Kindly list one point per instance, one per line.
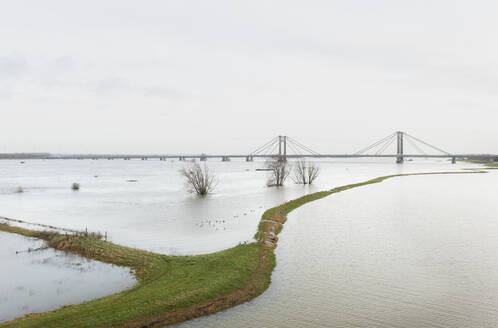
(285, 147)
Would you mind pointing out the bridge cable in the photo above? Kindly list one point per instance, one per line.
(294, 147)
(306, 148)
(415, 145)
(259, 149)
(427, 144)
(375, 144)
(269, 148)
(386, 145)
(272, 150)
(296, 151)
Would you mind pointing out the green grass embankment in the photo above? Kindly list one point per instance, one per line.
(171, 289)
(487, 164)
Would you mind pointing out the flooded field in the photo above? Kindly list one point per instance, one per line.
(154, 211)
(409, 252)
(42, 280)
(384, 255)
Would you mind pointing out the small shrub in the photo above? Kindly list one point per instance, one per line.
(19, 189)
(75, 186)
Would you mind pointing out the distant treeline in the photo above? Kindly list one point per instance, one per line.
(485, 158)
(24, 155)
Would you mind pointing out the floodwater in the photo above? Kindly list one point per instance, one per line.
(144, 204)
(409, 252)
(328, 271)
(43, 280)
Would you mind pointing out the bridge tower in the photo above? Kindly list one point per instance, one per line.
(399, 155)
(282, 148)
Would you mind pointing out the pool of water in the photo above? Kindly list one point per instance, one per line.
(38, 280)
(409, 252)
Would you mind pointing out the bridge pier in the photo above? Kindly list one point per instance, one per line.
(453, 160)
(225, 159)
(203, 158)
(249, 159)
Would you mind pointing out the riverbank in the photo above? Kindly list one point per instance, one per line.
(173, 289)
(487, 164)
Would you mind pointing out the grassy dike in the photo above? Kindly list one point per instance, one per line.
(487, 164)
(171, 289)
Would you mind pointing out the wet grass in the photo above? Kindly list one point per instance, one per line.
(487, 164)
(172, 289)
(165, 283)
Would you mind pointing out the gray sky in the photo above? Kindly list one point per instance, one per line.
(225, 76)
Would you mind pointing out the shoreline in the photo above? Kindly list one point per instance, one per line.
(173, 289)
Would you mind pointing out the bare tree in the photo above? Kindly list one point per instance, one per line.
(300, 172)
(198, 179)
(279, 171)
(313, 172)
(305, 173)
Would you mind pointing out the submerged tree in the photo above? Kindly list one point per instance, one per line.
(279, 171)
(198, 179)
(305, 173)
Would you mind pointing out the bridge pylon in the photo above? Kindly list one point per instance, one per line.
(282, 148)
(399, 154)
(400, 137)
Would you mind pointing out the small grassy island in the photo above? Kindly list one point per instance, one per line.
(172, 289)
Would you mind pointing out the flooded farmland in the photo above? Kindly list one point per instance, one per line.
(369, 257)
(409, 252)
(38, 280)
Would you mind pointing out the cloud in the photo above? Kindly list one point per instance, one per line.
(162, 92)
(113, 85)
(6, 93)
(12, 65)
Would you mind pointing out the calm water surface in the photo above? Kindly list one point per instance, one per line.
(47, 279)
(409, 252)
(156, 213)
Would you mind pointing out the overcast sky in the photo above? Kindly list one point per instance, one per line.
(225, 76)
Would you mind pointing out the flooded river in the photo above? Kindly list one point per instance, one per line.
(144, 204)
(410, 252)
